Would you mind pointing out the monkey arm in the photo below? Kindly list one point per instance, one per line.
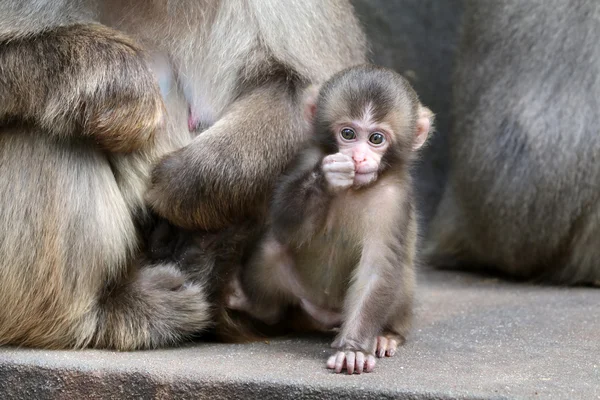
(372, 297)
(301, 201)
(85, 80)
(228, 172)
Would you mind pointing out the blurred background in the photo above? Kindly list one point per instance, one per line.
(419, 38)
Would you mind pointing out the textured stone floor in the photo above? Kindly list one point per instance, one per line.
(475, 337)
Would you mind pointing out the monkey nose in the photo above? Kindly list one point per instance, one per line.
(359, 158)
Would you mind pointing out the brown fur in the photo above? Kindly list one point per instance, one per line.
(82, 124)
(354, 251)
(198, 187)
(120, 116)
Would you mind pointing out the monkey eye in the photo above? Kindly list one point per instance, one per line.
(348, 133)
(377, 138)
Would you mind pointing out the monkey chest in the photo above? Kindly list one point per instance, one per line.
(326, 263)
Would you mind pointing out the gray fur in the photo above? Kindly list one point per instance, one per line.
(522, 194)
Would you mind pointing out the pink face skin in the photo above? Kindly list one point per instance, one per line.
(365, 142)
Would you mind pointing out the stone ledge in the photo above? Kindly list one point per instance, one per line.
(475, 337)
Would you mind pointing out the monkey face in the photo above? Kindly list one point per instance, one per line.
(365, 143)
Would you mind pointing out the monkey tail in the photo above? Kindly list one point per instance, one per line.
(158, 307)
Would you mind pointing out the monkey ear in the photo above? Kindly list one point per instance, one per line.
(424, 126)
(310, 102)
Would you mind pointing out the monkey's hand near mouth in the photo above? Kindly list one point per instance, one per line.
(339, 172)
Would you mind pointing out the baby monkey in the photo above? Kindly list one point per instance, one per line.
(342, 236)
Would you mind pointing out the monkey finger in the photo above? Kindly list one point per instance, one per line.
(336, 158)
(331, 361)
(340, 181)
(360, 362)
(370, 363)
(339, 167)
(340, 177)
(340, 361)
(350, 359)
(337, 361)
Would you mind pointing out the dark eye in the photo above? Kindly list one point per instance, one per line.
(377, 138)
(348, 133)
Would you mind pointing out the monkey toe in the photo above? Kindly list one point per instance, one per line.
(382, 343)
(387, 345)
(236, 299)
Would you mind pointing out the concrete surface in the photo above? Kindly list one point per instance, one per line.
(475, 337)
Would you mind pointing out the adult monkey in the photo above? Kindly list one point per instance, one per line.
(82, 122)
(523, 196)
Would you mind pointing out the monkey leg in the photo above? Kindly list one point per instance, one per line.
(564, 253)
(288, 281)
(399, 320)
(272, 274)
(266, 286)
(328, 319)
(237, 299)
(156, 307)
(68, 251)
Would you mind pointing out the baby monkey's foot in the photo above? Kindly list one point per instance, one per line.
(353, 361)
(387, 344)
(326, 318)
(237, 299)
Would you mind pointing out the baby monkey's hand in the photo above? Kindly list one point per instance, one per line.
(352, 361)
(339, 172)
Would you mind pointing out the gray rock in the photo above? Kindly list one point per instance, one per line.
(475, 337)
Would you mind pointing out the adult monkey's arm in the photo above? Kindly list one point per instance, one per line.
(79, 80)
(227, 173)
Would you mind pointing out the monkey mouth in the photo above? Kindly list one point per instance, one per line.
(364, 178)
(365, 170)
